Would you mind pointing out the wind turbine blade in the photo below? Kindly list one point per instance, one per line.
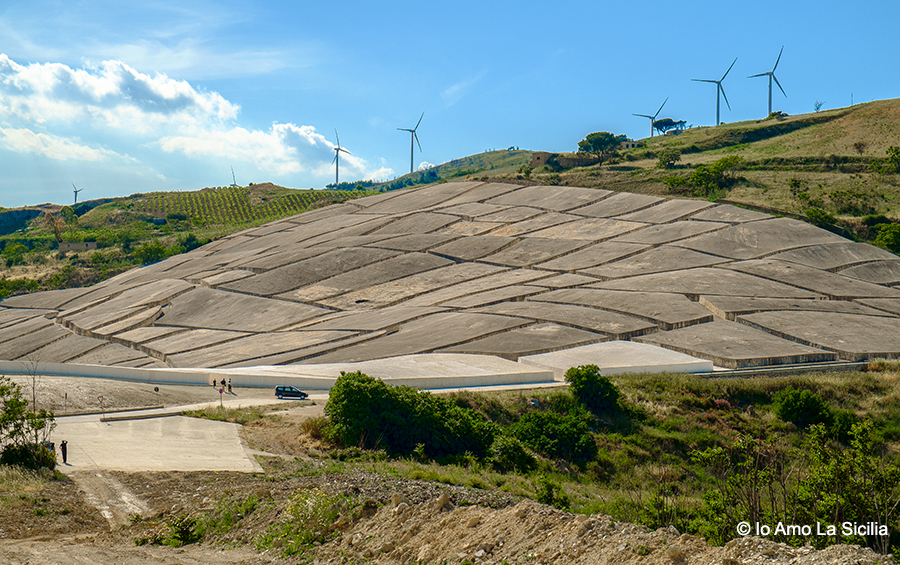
(405, 129)
(73, 186)
(344, 150)
(420, 121)
(703, 80)
(778, 59)
(660, 108)
(335, 158)
(729, 70)
(779, 85)
(337, 138)
(723, 96)
(643, 115)
(417, 140)
(759, 75)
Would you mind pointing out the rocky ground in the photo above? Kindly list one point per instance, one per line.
(96, 519)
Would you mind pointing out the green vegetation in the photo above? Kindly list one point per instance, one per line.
(710, 181)
(230, 205)
(310, 517)
(366, 412)
(601, 144)
(698, 454)
(23, 430)
(140, 229)
(177, 530)
(667, 158)
(593, 390)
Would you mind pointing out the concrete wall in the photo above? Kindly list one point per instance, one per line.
(260, 378)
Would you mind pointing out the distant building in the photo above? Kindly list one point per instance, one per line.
(629, 144)
(66, 247)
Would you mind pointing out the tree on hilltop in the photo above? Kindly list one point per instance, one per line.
(602, 144)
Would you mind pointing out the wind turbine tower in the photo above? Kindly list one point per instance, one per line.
(233, 179)
(719, 89)
(771, 75)
(413, 138)
(337, 160)
(77, 190)
(653, 117)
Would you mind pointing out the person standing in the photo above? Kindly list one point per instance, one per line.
(229, 386)
(63, 448)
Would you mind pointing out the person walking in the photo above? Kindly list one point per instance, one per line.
(63, 448)
(229, 386)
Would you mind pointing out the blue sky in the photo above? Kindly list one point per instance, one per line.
(122, 97)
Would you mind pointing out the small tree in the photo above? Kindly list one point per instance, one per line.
(22, 430)
(592, 389)
(860, 147)
(68, 215)
(665, 124)
(601, 143)
(55, 225)
(667, 158)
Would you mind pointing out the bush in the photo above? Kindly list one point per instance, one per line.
(709, 180)
(559, 436)
(667, 158)
(510, 454)
(888, 237)
(366, 412)
(150, 252)
(551, 493)
(592, 389)
(28, 456)
(801, 407)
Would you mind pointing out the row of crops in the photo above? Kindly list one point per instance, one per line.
(231, 205)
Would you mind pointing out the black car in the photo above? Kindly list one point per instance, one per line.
(290, 392)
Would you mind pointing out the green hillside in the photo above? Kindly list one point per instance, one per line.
(134, 230)
(828, 167)
(505, 162)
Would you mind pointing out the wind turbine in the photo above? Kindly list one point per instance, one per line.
(719, 89)
(233, 180)
(77, 190)
(337, 161)
(771, 75)
(653, 117)
(413, 137)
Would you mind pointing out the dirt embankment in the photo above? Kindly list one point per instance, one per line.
(437, 532)
(413, 522)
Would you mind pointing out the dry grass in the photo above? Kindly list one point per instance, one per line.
(18, 480)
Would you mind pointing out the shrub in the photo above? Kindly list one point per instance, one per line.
(510, 454)
(551, 493)
(560, 436)
(150, 252)
(592, 389)
(801, 407)
(667, 158)
(28, 456)
(888, 237)
(366, 412)
(310, 517)
(890, 165)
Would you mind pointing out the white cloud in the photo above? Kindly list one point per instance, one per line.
(51, 146)
(452, 94)
(112, 94)
(424, 165)
(112, 105)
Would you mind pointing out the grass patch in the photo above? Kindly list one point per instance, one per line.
(234, 415)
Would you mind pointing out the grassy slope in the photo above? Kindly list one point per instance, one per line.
(806, 143)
